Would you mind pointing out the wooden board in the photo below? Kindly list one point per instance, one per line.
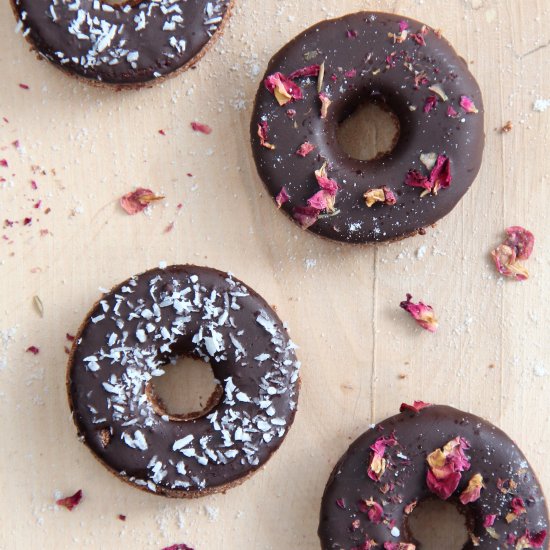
(362, 356)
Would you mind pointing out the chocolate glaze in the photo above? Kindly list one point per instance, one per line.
(142, 325)
(461, 139)
(493, 454)
(130, 44)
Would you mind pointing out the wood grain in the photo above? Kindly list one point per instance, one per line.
(361, 354)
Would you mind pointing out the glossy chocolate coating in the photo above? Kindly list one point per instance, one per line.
(130, 44)
(492, 454)
(366, 49)
(140, 326)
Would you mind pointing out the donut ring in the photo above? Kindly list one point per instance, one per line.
(128, 45)
(398, 63)
(145, 323)
(385, 473)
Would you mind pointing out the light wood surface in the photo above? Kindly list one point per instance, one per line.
(362, 356)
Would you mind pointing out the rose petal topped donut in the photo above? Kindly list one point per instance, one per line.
(432, 452)
(147, 322)
(124, 43)
(318, 80)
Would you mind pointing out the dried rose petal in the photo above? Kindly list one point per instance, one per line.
(319, 201)
(305, 149)
(377, 465)
(138, 200)
(416, 407)
(415, 179)
(203, 128)
(263, 130)
(521, 240)
(372, 196)
(70, 502)
(391, 199)
(445, 467)
(403, 26)
(178, 547)
(282, 197)
(312, 70)
(468, 105)
(33, 349)
(409, 509)
(306, 216)
(340, 502)
(440, 177)
(325, 104)
(351, 33)
(506, 486)
(422, 314)
(473, 490)
(373, 510)
(352, 73)
(506, 263)
(518, 508)
(452, 112)
(283, 88)
(528, 540)
(489, 520)
(4, 163)
(383, 194)
(399, 546)
(443, 487)
(419, 38)
(431, 103)
(121, 517)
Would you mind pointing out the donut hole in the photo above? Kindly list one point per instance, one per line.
(186, 391)
(438, 525)
(369, 132)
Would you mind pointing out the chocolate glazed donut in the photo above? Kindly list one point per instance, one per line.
(318, 79)
(147, 322)
(127, 44)
(432, 452)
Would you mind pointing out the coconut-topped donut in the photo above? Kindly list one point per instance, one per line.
(432, 452)
(319, 79)
(124, 43)
(144, 324)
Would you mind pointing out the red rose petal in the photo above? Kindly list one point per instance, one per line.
(305, 149)
(282, 197)
(489, 520)
(312, 70)
(178, 547)
(33, 349)
(263, 129)
(306, 216)
(203, 128)
(138, 200)
(318, 201)
(421, 313)
(468, 105)
(521, 240)
(415, 179)
(70, 502)
(282, 88)
(445, 487)
(440, 176)
(416, 407)
(431, 103)
(452, 112)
